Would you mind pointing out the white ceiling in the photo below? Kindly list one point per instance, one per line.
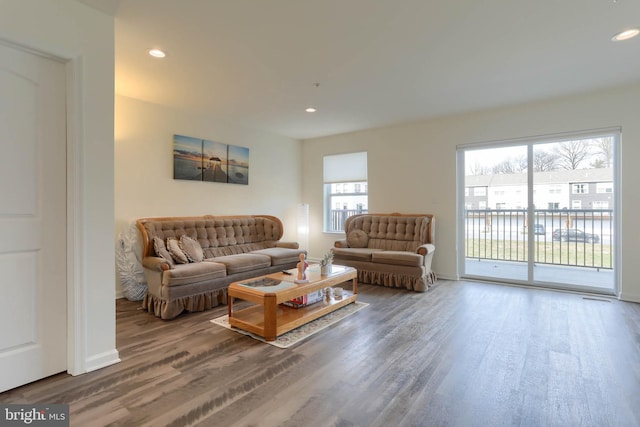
(378, 62)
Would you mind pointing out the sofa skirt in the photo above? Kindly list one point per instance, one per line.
(166, 309)
(397, 280)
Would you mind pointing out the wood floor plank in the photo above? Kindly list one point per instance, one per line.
(462, 354)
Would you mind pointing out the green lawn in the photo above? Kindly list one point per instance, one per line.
(550, 252)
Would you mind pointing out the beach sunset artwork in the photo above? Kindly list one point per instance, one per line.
(238, 165)
(196, 159)
(214, 158)
(187, 158)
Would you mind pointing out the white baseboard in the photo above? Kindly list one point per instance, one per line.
(446, 277)
(630, 297)
(103, 360)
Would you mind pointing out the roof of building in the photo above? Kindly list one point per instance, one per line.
(551, 177)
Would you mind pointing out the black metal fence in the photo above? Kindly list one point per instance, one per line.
(574, 237)
(337, 217)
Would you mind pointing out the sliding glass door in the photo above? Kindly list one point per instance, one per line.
(495, 205)
(540, 211)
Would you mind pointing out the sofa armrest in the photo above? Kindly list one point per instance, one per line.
(425, 249)
(155, 263)
(290, 245)
(341, 243)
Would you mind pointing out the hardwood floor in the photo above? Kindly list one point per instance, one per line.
(463, 354)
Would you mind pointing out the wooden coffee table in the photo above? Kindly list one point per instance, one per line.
(269, 318)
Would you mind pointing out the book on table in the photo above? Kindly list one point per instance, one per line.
(305, 300)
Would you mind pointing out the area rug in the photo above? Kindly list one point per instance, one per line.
(296, 335)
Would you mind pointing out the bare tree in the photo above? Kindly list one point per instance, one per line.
(508, 166)
(603, 148)
(478, 169)
(571, 154)
(544, 161)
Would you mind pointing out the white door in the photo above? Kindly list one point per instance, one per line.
(33, 330)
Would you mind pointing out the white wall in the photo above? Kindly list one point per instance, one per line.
(144, 184)
(85, 37)
(412, 167)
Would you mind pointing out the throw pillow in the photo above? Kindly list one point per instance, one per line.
(191, 249)
(174, 249)
(357, 239)
(161, 250)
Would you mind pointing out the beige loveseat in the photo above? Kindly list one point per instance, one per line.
(193, 272)
(393, 250)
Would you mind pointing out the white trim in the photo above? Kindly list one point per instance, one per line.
(76, 320)
(31, 50)
(617, 208)
(531, 243)
(102, 360)
(460, 208)
(447, 277)
(542, 139)
(630, 297)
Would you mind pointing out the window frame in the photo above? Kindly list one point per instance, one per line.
(340, 189)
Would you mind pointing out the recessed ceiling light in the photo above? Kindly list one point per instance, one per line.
(626, 35)
(157, 53)
(311, 110)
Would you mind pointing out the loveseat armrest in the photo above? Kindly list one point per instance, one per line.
(341, 243)
(290, 245)
(425, 249)
(155, 263)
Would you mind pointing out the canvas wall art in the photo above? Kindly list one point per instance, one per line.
(238, 165)
(197, 159)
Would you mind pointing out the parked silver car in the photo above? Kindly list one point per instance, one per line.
(573, 235)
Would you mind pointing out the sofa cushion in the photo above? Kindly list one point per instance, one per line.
(191, 248)
(236, 249)
(187, 274)
(243, 262)
(173, 245)
(398, 258)
(355, 254)
(161, 250)
(357, 239)
(281, 256)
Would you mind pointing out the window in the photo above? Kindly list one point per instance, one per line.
(576, 204)
(600, 204)
(604, 187)
(345, 188)
(580, 189)
(480, 191)
(555, 188)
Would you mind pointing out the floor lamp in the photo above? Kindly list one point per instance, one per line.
(303, 226)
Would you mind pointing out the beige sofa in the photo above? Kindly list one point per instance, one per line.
(394, 250)
(218, 250)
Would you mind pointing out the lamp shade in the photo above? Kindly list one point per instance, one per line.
(303, 226)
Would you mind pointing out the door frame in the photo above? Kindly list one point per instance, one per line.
(76, 304)
(76, 315)
(460, 200)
